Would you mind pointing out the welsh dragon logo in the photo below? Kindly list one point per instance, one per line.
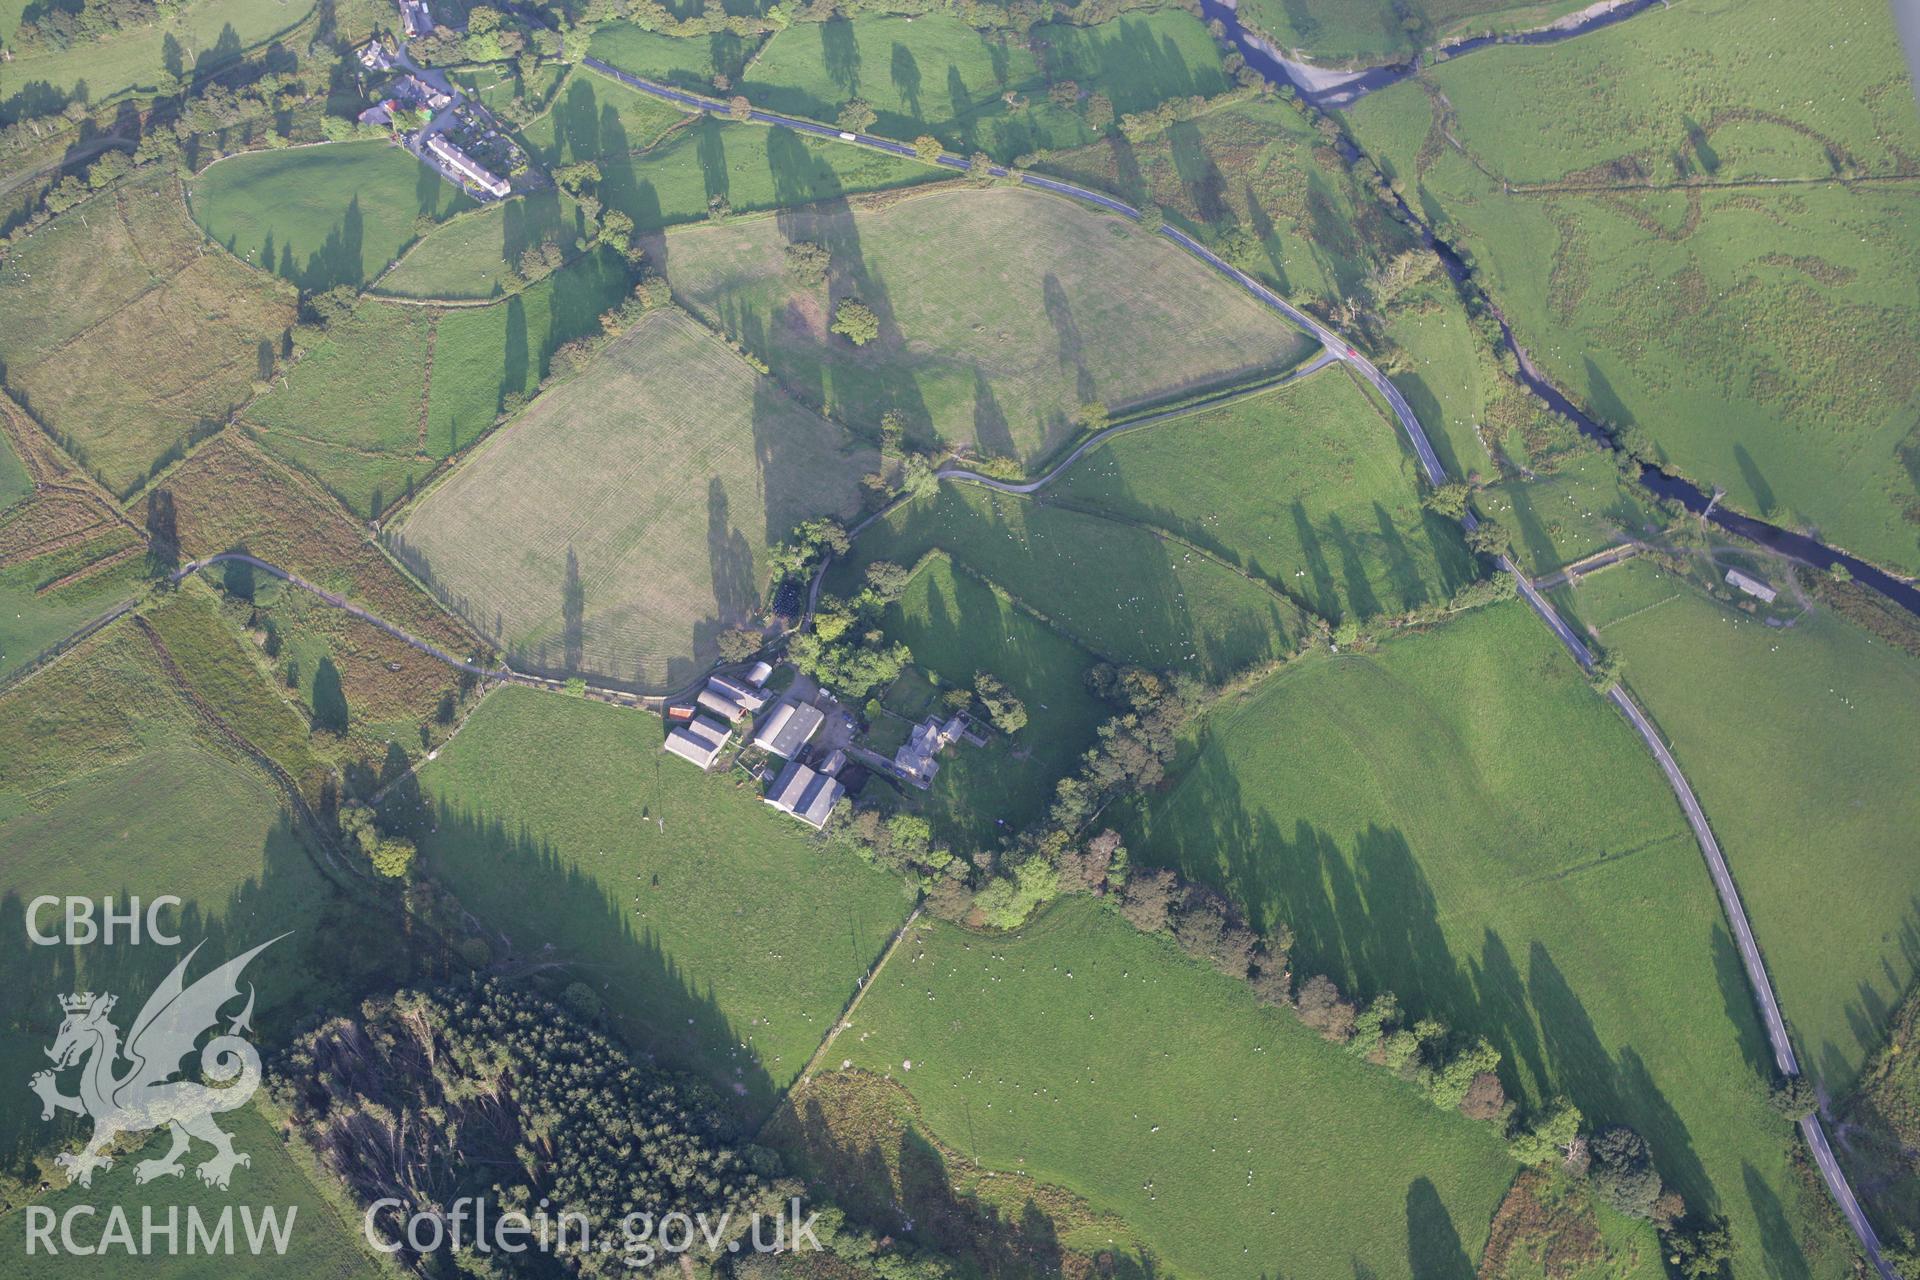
(144, 1095)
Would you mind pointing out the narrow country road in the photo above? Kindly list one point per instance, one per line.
(1337, 348)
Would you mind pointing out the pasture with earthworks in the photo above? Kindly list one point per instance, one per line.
(623, 521)
(1030, 308)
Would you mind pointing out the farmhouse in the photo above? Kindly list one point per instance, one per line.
(788, 729)
(468, 168)
(1752, 586)
(807, 795)
(375, 57)
(730, 699)
(917, 760)
(700, 740)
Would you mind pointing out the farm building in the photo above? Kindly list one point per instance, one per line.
(467, 167)
(1752, 586)
(700, 741)
(807, 795)
(788, 728)
(917, 760)
(757, 674)
(730, 699)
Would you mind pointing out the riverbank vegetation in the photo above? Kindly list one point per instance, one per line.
(1716, 266)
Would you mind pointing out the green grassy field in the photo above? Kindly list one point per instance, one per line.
(1715, 204)
(1308, 488)
(1084, 1054)
(1458, 818)
(598, 118)
(323, 215)
(1373, 31)
(935, 74)
(1582, 506)
(15, 483)
(357, 412)
(721, 938)
(171, 334)
(1793, 740)
(958, 626)
(660, 476)
(995, 342)
(31, 621)
(473, 256)
(324, 1243)
(209, 34)
(690, 62)
(1255, 167)
(1122, 592)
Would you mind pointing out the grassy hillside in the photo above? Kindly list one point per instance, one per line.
(1124, 593)
(1457, 818)
(1793, 740)
(325, 215)
(653, 485)
(1084, 1054)
(720, 936)
(1033, 307)
(1670, 176)
(1308, 488)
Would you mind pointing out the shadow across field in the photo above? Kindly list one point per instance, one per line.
(336, 952)
(555, 916)
(1364, 912)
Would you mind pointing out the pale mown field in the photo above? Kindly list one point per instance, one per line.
(623, 522)
(1001, 313)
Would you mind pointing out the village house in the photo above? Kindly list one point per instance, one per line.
(806, 794)
(375, 57)
(415, 18)
(789, 728)
(700, 740)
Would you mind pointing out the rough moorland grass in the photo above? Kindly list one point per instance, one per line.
(958, 626)
(1087, 1055)
(1459, 819)
(230, 495)
(1337, 31)
(15, 483)
(1124, 593)
(1258, 167)
(935, 74)
(125, 333)
(356, 412)
(653, 483)
(1308, 488)
(720, 937)
(473, 256)
(1792, 303)
(1799, 743)
(323, 215)
(1033, 307)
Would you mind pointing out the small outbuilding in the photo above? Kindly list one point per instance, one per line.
(805, 794)
(699, 741)
(758, 673)
(1752, 586)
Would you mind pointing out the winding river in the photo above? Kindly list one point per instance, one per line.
(1337, 89)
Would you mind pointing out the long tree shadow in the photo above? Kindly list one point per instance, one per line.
(556, 917)
(1434, 1251)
